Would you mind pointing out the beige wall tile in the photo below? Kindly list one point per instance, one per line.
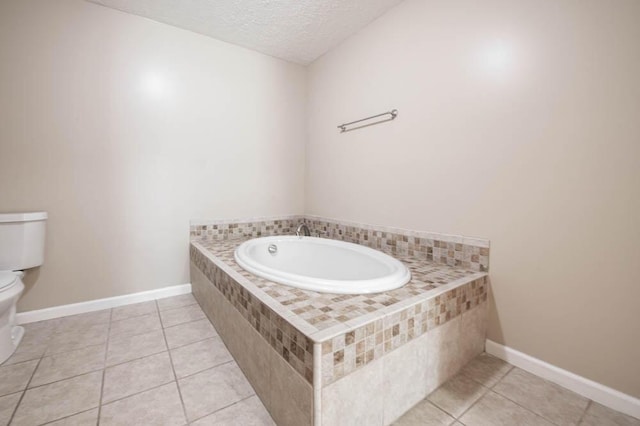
(473, 331)
(355, 399)
(247, 346)
(444, 357)
(291, 396)
(405, 377)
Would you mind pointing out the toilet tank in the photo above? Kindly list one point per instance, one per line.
(22, 240)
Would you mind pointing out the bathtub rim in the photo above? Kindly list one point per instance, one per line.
(400, 277)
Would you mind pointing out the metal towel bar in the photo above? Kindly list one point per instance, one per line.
(393, 114)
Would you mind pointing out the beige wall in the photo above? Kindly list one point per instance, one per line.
(124, 129)
(520, 122)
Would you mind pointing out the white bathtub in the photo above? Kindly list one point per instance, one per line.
(323, 265)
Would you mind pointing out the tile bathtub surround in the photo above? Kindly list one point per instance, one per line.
(129, 377)
(328, 338)
(258, 227)
(291, 344)
(354, 329)
(452, 250)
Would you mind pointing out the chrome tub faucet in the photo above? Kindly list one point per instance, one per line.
(303, 229)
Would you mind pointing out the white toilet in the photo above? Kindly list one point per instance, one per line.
(21, 247)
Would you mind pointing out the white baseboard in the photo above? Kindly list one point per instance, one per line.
(99, 304)
(582, 386)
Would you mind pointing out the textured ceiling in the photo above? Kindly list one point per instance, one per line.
(295, 30)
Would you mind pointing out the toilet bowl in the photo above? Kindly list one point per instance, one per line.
(11, 288)
(21, 248)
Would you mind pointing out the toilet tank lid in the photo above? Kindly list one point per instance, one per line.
(23, 217)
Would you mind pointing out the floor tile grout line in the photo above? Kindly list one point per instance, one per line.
(106, 343)
(175, 376)
(97, 369)
(473, 404)
(134, 316)
(502, 378)
(135, 359)
(137, 393)
(154, 312)
(522, 406)
(66, 378)
(207, 369)
(104, 370)
(137, 315)
(176, 307)
(71, 415)
(46, 354)
(584, 413)
(511, 367)
(196, 341)
(186, 322)
(21, 362)
(226, 406)
(24, 392)
(126, 336)
(525, 408)
(485, 391)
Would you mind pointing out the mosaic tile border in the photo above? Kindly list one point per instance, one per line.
(452, 250)
(239, 228)
(456, 251)
(350, 351)
(323, 314)
(289, 342)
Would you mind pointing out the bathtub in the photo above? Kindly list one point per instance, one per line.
(323, 265)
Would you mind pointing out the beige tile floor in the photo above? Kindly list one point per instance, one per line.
(162, 363)
(153, 363)
(491, 392)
